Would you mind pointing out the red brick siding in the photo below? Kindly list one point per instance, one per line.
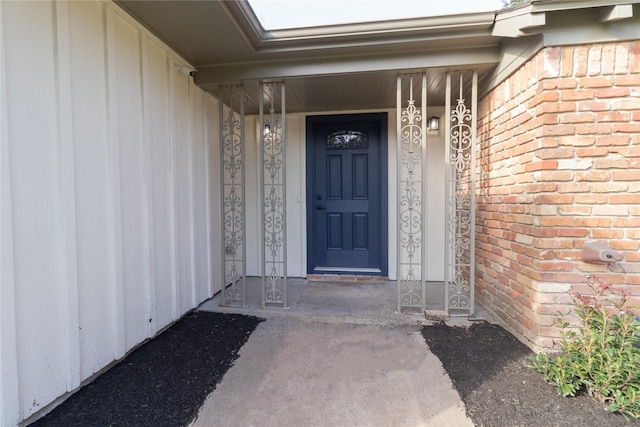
(558, 165)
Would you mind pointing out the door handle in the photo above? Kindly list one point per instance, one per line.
(321, 208)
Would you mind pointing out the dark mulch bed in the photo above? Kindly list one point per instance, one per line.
(165, 381)
(489, 368)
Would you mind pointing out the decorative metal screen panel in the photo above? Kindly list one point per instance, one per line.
(411, 196)
(233, 195)
(273, 179)
(461, 159)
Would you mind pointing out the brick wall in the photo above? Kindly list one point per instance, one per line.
(558, 166)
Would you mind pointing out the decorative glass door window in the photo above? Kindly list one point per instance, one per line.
(347, 139)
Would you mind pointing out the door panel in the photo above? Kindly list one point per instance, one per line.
(346, 175)
(360, 231)
(334, 231)
(334, 177)
(360, 170)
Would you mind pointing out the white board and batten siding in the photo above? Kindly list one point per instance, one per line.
(109, 196)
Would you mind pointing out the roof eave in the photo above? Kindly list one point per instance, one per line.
(530, 18)
(322, 37)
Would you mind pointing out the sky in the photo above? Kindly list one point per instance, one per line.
(278, 14)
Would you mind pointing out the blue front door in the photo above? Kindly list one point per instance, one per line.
(346, 173)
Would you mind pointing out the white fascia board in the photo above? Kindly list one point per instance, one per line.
(424, 43)
(530, 18)
(555, 5)
(428, 25)
(616, 13)
(583, 27)
(580, 24)
(517, 24)
(329, 36)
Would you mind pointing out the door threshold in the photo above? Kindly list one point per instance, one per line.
(346, 270)
(345, 278)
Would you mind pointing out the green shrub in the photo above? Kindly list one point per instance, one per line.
(601, 354)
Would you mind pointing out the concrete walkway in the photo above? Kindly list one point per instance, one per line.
(339, 356)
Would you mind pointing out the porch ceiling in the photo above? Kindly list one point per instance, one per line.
(340, 67)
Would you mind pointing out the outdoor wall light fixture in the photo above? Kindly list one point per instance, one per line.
(267, 130)
(186, 70)
(433, 124)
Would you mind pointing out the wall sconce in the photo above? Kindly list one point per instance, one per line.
(433, 124)
(267, 130)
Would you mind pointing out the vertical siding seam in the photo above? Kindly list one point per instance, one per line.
(260, 193)
(472, 172)
(221, 229)
(191, 141)
(217, 234)
(243, 150)
(423, 194)
(116, 232)
(66, 175)
(10, 411)
(175, 237)
(207, 162)
(447, 192)
(172, 186)
(284, 191)
(302, 132)
(398, 190)
(391, 187)
(147, 188)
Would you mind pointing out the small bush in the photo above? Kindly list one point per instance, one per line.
(601, 354)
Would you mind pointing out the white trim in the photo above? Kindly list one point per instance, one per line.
(147, 183)
(208, 142)
(209, 76)
(472, 173)
(173, 159)
(65, 140)
(283, 118)
(9, 381)
(258, 38)
(447, 162)
(118, 325)
(424, 272)
(616, 12)
(191, 184)
(398, 178)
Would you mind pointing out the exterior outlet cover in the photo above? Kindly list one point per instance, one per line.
(598, 253)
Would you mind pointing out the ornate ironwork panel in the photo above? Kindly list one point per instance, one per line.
(460, 232)
(273, 179)
(411, 197)
(233, 195)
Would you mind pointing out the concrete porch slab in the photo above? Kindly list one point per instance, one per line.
(358, 302)
(339, 356)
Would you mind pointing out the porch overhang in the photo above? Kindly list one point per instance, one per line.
(225, 42)
(211, 33)
(483, 57)
(369, 80)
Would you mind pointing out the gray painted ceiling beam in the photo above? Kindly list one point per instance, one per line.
(453, 59)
